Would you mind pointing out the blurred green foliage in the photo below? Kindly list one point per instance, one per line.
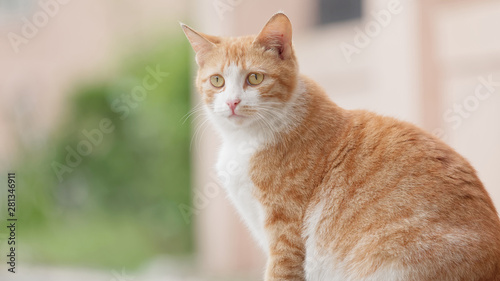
(118, 207)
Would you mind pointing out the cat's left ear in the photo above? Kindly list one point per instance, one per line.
(277, 36)
(201, 43)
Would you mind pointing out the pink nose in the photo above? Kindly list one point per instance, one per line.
(233, 103)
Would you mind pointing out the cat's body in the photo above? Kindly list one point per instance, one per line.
(332, 194)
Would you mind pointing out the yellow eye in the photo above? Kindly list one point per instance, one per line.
(255, 78)
(217, 81)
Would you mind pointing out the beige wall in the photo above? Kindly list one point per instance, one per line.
(383, 77)
(468, 47)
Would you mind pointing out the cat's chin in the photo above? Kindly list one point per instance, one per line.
(234, 121)
(238, 120)
(235, 117)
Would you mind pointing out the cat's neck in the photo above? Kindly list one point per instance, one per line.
(322, 121)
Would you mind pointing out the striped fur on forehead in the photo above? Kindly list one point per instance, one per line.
(236, 50)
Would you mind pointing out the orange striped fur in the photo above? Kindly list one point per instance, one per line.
(334, 194)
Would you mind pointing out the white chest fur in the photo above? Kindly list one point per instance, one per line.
(233, 170)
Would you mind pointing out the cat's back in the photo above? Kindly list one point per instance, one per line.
(399, 203)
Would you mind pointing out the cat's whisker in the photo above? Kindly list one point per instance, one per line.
(262, 120)
(196, 115)
(196, 134)
(201, 135)
(267, 117)
(197, 108)
(276, 115)
(272, 130)
(200, 114)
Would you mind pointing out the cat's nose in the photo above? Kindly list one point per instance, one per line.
(232, 104)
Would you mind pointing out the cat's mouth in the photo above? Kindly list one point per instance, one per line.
(239, 116)
(241, 112)
(236, 116)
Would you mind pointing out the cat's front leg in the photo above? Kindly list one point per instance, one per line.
(286, 251)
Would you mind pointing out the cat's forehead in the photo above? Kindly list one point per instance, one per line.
(239, 41)
(236, 51)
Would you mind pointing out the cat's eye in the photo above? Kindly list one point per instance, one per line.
(255, 78)
(217, 81)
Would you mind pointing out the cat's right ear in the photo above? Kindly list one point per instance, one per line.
(277, 35)
(201, 43)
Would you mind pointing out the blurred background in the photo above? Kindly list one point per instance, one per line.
(115, 178)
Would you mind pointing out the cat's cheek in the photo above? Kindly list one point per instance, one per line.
(208, 100)
(208, 96)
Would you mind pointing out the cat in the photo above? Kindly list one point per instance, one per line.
(335, 194)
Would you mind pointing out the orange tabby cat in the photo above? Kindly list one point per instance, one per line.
(333, 194)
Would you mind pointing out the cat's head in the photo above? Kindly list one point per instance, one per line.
(247, 80)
